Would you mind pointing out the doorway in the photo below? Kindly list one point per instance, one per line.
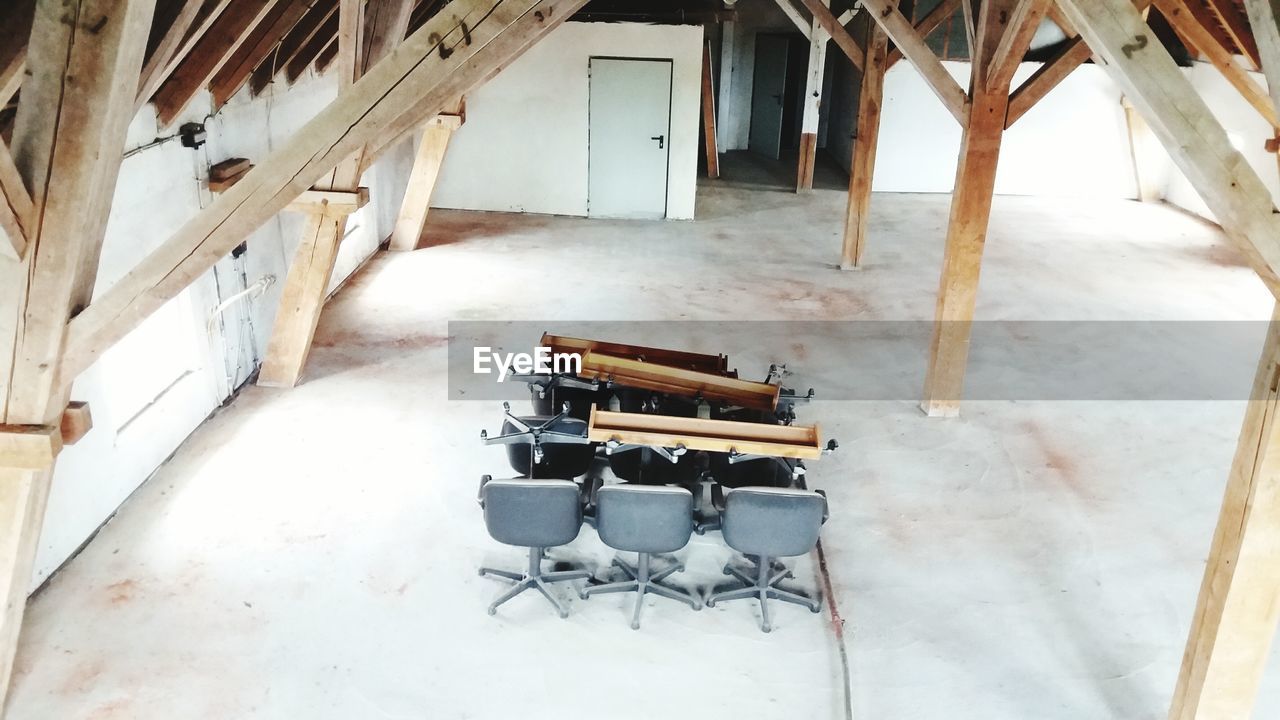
(781, 62)
(630, 129)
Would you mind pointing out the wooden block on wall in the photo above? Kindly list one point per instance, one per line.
(227, 173)
(334, 203)
(29, 447)
(77, 421)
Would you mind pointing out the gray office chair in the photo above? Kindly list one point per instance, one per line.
(768, 523)
(644, 519)
(536, 514)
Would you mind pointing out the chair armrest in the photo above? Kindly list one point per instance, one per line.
(826, 507)
(484, 480)
(717, 496)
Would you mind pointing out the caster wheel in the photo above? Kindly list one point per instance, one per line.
(564, 615)
(726, 570)
(766, 628)
(493, 611)
(583, 596)
(815, 609)
(711, 603)
(635, 626)
(696, 607)
(679, 568)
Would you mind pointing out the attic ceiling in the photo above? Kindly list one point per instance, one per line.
(222, 45)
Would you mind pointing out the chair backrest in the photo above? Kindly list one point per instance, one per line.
(644, 518)
(774, 522)
(560, 461)
(532, 513)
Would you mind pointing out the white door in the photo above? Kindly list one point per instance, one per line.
(767, 94)
(630, 126)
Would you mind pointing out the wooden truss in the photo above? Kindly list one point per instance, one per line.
(87, 67)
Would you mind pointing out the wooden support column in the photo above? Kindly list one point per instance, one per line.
(412, 220)
(1239, 604)
(1236, 614)
(862, 166)
(307, 284)
(709, 114)
(728, 28)
(962, 260)
(77, 99)
(1002, 34)
(811, 105)
(1142, 152)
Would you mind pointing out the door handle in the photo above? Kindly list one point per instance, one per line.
(660, 139)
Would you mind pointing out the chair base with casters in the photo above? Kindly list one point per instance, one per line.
(533, 578)
(764, 587)
(642, 582)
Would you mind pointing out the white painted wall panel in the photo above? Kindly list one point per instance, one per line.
(151, 390)
(524, 145)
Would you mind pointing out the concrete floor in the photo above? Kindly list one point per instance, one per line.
(311, 553)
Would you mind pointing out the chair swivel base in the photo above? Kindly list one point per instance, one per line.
(533, 578)
(764, 587)
(642, 582)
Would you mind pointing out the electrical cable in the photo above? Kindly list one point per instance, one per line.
(837, 628)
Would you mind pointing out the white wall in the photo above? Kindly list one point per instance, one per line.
(1074, 143)
(1245, 128)
(152, 389)
(524, 147)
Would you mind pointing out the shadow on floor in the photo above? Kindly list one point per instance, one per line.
(743, 168)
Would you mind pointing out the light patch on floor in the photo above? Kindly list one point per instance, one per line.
(312, 553)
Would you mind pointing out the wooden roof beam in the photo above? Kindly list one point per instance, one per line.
(321, 37)
(294, 40)
(204, 61)
(15, 30)
(1180, 16)
(1014, 41)
(161, 60)
(900, 31)
(413, 84)
(832, 26)
(1237, 26)
(265, 38)
(936, 18)
(15, 207)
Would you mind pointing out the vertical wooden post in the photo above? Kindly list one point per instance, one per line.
(971, 206)
(812, 103)
(727, 30)
(77, 100)
(862, 166)
(1239, 603)
(962, 260)
(709, 114)
(1142, 144)
(412, 220)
